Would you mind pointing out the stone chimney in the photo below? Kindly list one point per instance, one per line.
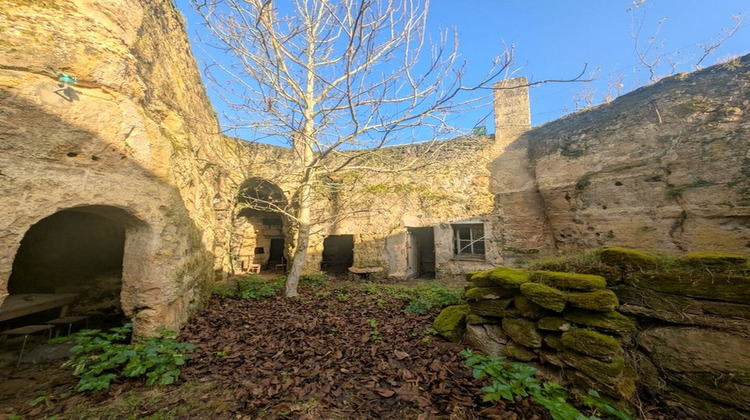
(512, 113)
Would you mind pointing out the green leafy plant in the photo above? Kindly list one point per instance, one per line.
(432, 297)
(101, 357)
(509, 380)
(317, 279)
(375, 336)
(248, 287)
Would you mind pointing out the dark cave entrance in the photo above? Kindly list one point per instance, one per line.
(259, 225)
(79, 251)
(338, 254)
(421, 255)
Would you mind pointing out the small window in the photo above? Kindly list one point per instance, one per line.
(259, 250)
(468, 240)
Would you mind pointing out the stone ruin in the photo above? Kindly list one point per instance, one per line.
(128, 167)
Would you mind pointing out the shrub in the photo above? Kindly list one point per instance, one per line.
(101, 357)
(511, 380)
(432, 297)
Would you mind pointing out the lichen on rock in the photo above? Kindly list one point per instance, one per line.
(544, 296)
(519, 352)
(482, 293)
(714, 259)
(591, 343)
(451, 323)
(508, 277)
(553, 323)
(523, 332)
(598, 300)
(527, 308)
(628, 258)
(492, 307)
(607, 321)
(574, 281)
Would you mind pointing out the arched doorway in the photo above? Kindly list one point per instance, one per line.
(259, 226)
(80, 251)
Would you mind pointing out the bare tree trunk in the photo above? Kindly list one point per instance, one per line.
(303, 240)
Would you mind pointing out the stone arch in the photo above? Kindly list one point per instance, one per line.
(96, 251)
(260, 230)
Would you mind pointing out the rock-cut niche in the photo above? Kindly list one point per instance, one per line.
(78, 250)
(259, 226)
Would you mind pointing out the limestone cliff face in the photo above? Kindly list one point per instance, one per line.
(666, 168)
(129, 141)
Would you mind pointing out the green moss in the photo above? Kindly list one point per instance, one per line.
(598, 300)
(628, 258)
(590, 343)
(508, 277)
(451, 323)
(470, 285)
(544, 296)
(584, 263)
(483, 293)
(520, 353)
(527, 308)
(473, 319)
(553, 323)
(608, 321)
(600, 371)
(727, 287)
(714, 259)
(523, 332)
(482, 279)
(469, 274)
(554, 341)
(573, 281)
(494, 307)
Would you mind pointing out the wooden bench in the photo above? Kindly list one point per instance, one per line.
(26, 332)
(368, 273)
(69, 321)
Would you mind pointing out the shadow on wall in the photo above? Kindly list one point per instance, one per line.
(122, 234)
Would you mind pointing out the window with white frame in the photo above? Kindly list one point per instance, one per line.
(468, 240)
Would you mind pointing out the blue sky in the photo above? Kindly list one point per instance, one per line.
(553, 39)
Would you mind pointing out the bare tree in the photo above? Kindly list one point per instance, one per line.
(336, 80)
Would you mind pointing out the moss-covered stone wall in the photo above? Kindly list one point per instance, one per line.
(630, 324)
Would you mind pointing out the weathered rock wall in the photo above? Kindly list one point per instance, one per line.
(130, 141)
(666, 167)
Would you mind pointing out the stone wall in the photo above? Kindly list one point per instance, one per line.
(629, 324)
(128, 141)
(666, 167)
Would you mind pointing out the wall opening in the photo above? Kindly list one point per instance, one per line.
(338, 254)
(259, 225)
(421, 253)
(79, 250)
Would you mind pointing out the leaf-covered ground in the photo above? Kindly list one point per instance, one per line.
(341, 351)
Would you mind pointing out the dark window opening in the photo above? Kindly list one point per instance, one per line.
(468, 240)
(338, 254)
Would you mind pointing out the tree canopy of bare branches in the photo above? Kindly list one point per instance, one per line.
(336, 80)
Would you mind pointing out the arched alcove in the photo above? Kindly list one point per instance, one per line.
(81, 250)
(260, 228)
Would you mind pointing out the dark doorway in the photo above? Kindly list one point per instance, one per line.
(73, 251)
(421, 255)
(338, 254)
(276, 253)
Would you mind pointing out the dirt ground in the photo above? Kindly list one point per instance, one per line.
(341, 351)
